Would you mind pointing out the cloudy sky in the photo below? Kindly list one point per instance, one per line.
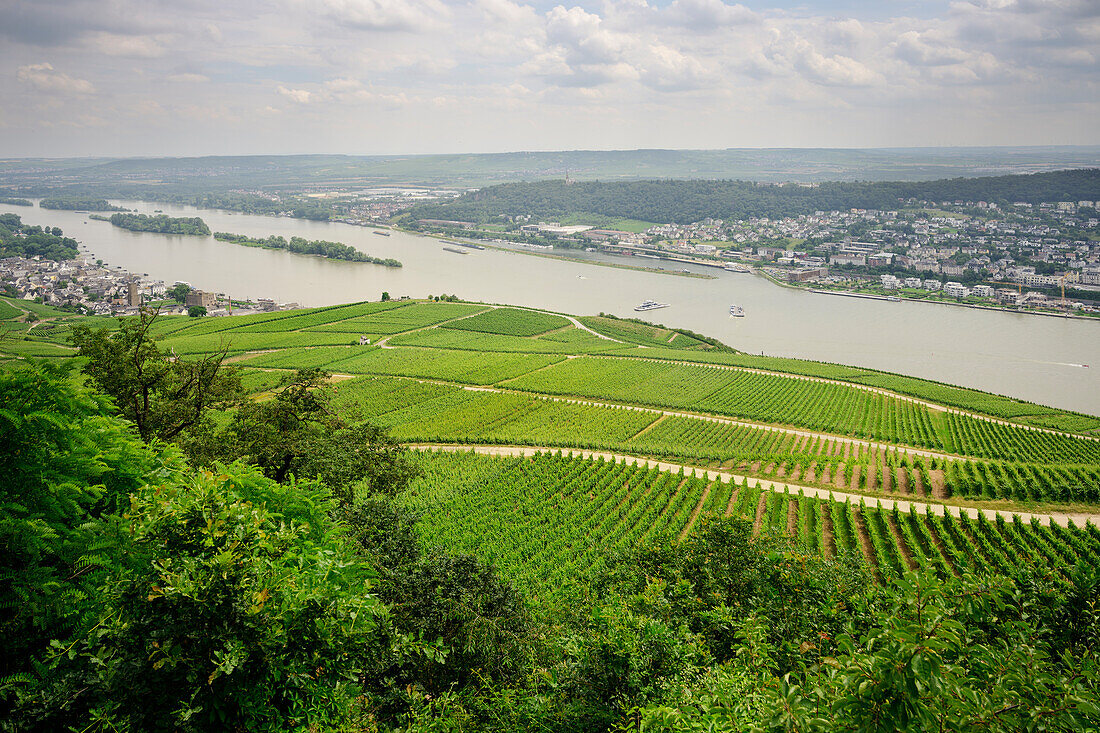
(196, 77)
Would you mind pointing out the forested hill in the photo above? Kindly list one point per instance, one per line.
(668, 201)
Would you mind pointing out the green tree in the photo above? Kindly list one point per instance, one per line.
(961, 655)
(179, 292)
(478, 620)
(196, 311)
(163, 395)
(237, 607)
(385, 296)
(297, 433)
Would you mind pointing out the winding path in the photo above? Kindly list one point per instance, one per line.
(777, 486)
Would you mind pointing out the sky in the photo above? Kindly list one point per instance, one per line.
(220, 77)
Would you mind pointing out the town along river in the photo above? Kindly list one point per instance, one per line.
(1027, 356)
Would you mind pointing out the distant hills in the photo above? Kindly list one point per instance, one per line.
(137, 176)
(673, 201)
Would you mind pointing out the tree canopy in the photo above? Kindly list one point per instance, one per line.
(160, 223)
(161, 394)
(28, 240)
(686, 201)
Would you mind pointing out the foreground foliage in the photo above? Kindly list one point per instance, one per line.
(320, 589)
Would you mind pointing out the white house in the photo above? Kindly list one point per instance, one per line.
(957, 290)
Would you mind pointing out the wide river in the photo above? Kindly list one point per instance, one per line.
(1036, 358)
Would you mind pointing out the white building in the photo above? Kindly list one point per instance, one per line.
(983, 291)
(932, 284)
(848, 259)
(889, 282)
(912, 282)
(1041, 281)
(956, 290)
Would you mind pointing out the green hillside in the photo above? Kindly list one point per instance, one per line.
(494, 518)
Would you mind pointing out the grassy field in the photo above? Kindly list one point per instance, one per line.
(608, 222)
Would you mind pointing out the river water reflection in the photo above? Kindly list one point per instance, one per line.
(1032, 357)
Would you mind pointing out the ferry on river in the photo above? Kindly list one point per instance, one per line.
(735, 267)
(737, 311)
(468, 245)
(650, 305)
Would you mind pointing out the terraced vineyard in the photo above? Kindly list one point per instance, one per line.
(763, 397)
(549, 520)
(573, 341)
(511, 322)
(893, 446)
(972, 400)
(437, 413)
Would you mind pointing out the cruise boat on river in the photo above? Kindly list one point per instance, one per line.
(737, 311)
(650, 305)
(735, 267)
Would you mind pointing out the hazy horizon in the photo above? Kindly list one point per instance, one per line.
(539, 151)
(123, 78)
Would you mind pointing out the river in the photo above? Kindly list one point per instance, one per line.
(1032, 357)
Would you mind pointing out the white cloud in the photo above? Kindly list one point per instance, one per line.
(115, 44)
(927, 49)
(833, 70)
(668, 69)
(709, 15)
(581, 34)
(188, 78)
(386, 15)
(44, 78)
(516, 70)
(301, 96)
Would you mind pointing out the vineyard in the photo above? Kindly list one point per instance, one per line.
(643, 334)
(972, 400)
(576, 342)
(427, 413)
(549, 521)
(857, 436)
(437, 413)
(511, 322)
(761, 397)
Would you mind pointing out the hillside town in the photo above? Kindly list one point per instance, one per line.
(1045, 256)
(85, 285)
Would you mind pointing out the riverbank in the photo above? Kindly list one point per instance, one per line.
(975, 306)
(1029, 358)
(901, 298)
(517, 249)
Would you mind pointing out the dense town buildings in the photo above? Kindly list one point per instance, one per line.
(958, 249)
(89, 287)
